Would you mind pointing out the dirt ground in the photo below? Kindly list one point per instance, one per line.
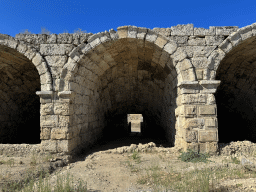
(106, 170)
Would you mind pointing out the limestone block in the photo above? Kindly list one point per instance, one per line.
(210, 99)
(191, 136)
(106, 37)
(85, 49)
(194, 123)
(235, 39)
(122, 32)
(13, 44)
(179, 39)
(151, 36)
(204, 32)
(65, 121)
(95, 42)
(46, 109)
(65, 145)
(142, 31)
(188, 75)
(199, 62)
(208, 136)
(179, 55)
(211, 122)
(189, 87)
(199, 74)
(198, 51)
(30, 53)
(209, 86)
(207, 110)
(22, 48)
(245, 32)
(49, 145)
(56, 61)
(76, 38)
(45, 78)
(188, 110)
(64, 38)
(49, 121)
(215, 58)
(183, 30)
(193, 98)
(184, 65)
(42, 68)
(57, 133)
(227, 30)
(214, 40)
(193, 40)
(253, 29)
(52, 38)
(55, 49)
(161, 41)
(226, 45)
(132, 31)
(45, 133)
(113, 34)
(63, 109)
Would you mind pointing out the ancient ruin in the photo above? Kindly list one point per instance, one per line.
(64, 92)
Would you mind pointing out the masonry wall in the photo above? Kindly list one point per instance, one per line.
(88, 81)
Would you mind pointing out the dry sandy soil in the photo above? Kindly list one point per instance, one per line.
(108, 168)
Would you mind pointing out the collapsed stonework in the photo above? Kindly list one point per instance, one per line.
(178, 78)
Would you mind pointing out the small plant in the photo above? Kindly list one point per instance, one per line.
(136, 157)
(235, 160)
(45, 31)
(193, 156)
(26, 32)
(79, 31)
(10, 162)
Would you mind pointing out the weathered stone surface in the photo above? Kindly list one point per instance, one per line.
(170, 72)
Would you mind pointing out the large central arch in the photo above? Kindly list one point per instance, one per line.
(132, 71)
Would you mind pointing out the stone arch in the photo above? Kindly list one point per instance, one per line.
(181, 64)
(234, 63)
(23, 72)
(34, 56)
(100, 54)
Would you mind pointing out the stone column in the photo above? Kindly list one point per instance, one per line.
(56, 122)
(196, 114)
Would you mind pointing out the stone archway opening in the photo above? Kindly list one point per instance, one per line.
(19, 104)
(236, 95)
(126, 76)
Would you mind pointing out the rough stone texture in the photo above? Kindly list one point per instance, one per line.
(90, 82)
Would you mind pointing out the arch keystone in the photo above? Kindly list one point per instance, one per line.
(142, 31)
(151, 36)
(132, 31)
(122, 32)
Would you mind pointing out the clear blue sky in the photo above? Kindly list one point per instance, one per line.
(96, 16)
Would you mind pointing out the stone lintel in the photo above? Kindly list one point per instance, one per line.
(45, 96)
(189, 87)
(209, 86)
(66, 96)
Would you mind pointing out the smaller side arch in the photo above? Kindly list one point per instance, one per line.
(34, 56)
(226, 46)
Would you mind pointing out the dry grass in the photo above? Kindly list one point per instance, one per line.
(197, 180)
